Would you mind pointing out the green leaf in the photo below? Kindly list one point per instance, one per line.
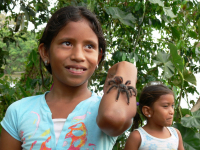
(180, 44)
(192, 34)
(138, 6)
(123, 56)
(168, 68)
(23, 91)
(185, 111)
(176, 59)
(33, 56)
(199, 27)
(189, 77)
(116, 13)
(190, 138)
(192, 121)
(159, 2)
(168, 12)
(91, 4)
(1, 75)
(175, 33)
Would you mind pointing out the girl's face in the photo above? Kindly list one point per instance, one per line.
(74, 54)
(163, 110)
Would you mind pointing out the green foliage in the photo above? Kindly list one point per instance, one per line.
(162, 38)
(15, 61)
(189, 136)
(192, 121)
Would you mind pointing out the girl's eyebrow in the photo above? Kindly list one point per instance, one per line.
(73, 39)
(166, 102)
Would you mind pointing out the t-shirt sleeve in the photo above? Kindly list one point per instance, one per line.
(10, 121)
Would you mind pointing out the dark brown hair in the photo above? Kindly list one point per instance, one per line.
(149, 95)
(65, 15)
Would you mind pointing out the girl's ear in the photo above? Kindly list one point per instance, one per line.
(146, 110)
(43, 53)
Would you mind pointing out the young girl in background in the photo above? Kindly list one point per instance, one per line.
(156, 104)
(70, 116)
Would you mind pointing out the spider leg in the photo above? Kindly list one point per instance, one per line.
(128, 82)
(118, 94)
(110, 82)
(127, 97)
(130, 93)
(133, 89)
(112, 87)
(127, 94)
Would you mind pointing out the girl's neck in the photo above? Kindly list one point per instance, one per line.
(154, 127)
(68, 93)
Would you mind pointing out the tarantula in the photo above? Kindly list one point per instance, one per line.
(118, 83)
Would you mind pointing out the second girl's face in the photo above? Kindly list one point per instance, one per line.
(163, 110)
(74, 54)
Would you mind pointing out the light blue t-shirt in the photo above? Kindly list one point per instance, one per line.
(149, 142)
(30, 120)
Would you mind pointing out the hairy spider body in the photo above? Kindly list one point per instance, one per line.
(117, 82)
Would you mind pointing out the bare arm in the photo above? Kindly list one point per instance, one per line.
(133, 142)
(180, 145)
(116, 117)
(7, 142)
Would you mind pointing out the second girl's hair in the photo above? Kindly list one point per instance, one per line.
(149, 95)
(65, 15)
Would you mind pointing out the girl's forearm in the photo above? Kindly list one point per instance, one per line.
(115, 116)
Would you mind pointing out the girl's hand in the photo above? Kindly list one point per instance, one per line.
(124, 69)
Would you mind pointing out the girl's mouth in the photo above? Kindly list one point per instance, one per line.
(76, 70)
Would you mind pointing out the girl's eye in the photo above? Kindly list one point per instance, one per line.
(172, 106)
(165, 106)
(89, 46)
(67, 43)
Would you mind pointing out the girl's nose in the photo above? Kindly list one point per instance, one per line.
(78, 54)
(171, 111)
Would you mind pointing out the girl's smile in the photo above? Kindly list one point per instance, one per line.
(76, 70)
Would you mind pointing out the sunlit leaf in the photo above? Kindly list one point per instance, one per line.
(168, 12)
(176, 59)
(159, 2)
(191, 139)
(125, 18)
(192, 121)
(168, 68)
(123, 56)
(189, 77)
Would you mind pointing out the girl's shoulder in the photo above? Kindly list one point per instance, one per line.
(174, 131)
(135, 134)
(25, 103)
(28, 100)
(133, 141)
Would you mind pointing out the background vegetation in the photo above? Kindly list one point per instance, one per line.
(161, 37)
